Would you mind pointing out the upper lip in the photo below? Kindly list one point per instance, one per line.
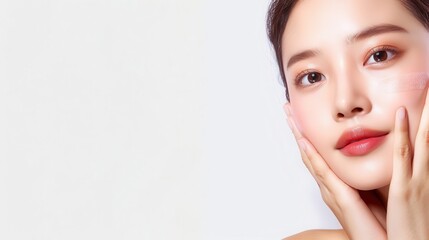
(357, 134)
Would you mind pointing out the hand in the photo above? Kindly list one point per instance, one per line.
(360, 220)
(407, 212)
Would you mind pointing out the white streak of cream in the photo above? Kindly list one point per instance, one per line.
(403, 83)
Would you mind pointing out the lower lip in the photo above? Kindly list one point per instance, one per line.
(363, 146)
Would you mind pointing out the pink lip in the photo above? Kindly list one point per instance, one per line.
(360, 141)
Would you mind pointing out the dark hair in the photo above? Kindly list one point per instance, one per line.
(279, 11)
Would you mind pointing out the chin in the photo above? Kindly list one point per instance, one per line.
(369, 179)
(368, 172)
(371, 184)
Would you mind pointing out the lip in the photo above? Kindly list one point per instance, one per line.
(360, 141)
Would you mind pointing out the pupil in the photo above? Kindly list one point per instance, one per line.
(313, 77)
(380, 56)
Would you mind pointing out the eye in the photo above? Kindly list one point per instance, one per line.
(308, 78)
(379, 55)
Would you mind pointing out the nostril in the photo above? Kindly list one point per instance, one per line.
(357, 110)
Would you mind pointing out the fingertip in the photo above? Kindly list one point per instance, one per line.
(401, 119)
(294, 128)
(287, 109)
(305, 149)
(400, 114)
(289, 123)
(303, 145)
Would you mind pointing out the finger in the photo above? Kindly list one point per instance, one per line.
(297, 134)
(291, 122)
(321, 170)
(314, 162)
(365, 219)
(344, 201)
(402, 156)
(421, 154)
(298, 138)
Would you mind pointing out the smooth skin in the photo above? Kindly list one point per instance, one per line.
(383, 194)
(350, 88)
(407, 216)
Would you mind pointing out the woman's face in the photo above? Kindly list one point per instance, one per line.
(350, 64)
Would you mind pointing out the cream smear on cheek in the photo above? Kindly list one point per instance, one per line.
(401, 83)
(408, 90)
(396, 90)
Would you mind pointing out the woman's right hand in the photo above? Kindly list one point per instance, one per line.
(360, 213)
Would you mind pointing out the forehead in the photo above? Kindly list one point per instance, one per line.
(315, 23)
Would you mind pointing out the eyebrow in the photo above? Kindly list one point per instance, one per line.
(301, 56)
(364, 34)
(375, 30)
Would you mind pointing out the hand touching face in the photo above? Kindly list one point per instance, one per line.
(349, 66)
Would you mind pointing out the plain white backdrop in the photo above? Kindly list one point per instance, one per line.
(146, 119)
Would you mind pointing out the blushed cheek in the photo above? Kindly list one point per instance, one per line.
(301, 115)
(308, 118)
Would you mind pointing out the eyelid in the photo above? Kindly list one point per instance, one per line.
(378, 49)
(303, 74)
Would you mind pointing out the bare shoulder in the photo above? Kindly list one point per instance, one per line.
(319, 235)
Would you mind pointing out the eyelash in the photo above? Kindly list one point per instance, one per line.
(390, 49)
(371, 53)
(304, 73)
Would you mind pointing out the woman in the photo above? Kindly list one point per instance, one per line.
(356, 74)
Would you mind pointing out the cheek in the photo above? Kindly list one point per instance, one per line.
(400, 83)
(316, 123)
(414, 106)
(405, 89)
(313, 120)
(413, 101)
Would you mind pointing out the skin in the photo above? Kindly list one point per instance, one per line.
(348, 90)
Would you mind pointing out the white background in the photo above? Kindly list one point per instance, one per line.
(146, 119)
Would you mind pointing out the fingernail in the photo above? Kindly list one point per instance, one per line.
(289, 123)
(302, 144)
(288, 113)
(400, 114)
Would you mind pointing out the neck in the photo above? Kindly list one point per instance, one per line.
(376, 200)
(383, 194)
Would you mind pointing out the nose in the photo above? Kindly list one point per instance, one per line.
(351, 98)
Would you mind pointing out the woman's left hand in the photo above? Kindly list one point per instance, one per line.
(407, 209)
